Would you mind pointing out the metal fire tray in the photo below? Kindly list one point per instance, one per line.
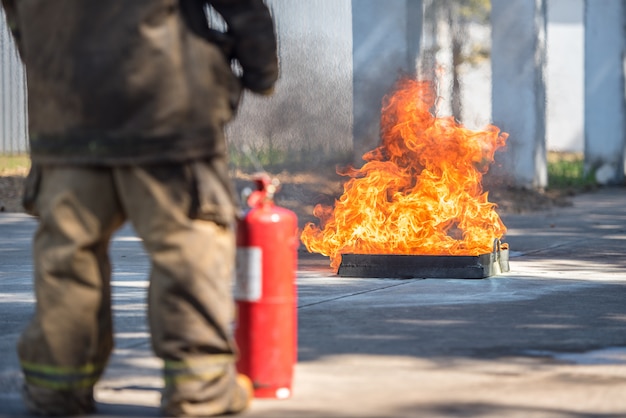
(397, 266)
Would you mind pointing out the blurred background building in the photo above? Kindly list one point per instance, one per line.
(548, 72)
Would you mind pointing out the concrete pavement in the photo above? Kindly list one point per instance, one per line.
(547, 339)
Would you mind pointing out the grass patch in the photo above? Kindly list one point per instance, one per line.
(14, 164)
(567, 170)
(275, 159)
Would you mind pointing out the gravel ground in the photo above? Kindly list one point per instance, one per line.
(11, 183)
(300, 192)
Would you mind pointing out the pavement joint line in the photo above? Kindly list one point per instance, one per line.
(549, 247)
(404, 282)
(145, 342)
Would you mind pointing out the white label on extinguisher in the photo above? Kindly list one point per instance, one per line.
(248, 278)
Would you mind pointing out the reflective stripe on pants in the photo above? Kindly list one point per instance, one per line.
(61, 378)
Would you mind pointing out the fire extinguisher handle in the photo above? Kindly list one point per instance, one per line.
(266, 189)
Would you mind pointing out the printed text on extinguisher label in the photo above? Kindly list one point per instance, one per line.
(248, 278)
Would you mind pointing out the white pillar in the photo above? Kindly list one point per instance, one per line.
(605, 109)
(385, 44)
(518, 93)
(565, 76)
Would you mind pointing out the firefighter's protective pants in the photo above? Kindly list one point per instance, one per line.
(184, 215)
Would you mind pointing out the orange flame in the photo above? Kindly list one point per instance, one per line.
(420, 192)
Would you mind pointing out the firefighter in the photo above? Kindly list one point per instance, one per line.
(127, 105)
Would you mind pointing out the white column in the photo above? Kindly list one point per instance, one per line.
(605, 109)
(565, 76)
(518, 93)
(385, 39)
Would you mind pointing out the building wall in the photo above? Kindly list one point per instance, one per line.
(311, 109)
(310, 112)
(338, 59)
(13, 113)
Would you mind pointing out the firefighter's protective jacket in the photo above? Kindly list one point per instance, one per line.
(144, 81)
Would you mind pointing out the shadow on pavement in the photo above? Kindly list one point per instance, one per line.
(572, 318)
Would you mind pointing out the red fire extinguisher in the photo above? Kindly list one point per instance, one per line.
(265, 293)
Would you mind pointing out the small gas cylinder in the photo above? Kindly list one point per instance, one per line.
(265, 293)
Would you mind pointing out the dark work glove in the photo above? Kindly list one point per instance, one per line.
(250, 38)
